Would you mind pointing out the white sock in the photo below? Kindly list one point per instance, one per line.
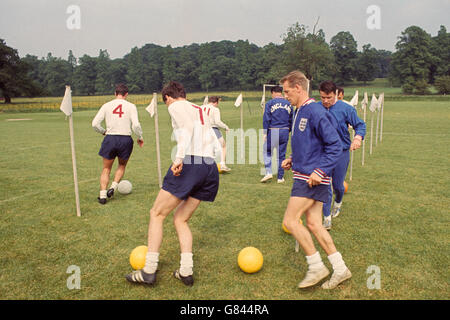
(315, 261)
(327, 217)
(102, 194)
(151, 262)
(337, 204)
(337, 262)
(114, 185)
(222, 163)
(186, 264)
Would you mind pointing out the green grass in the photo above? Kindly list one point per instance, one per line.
(395, 215)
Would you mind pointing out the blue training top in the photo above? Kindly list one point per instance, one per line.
(345, 115)
(316, 146)
(277, 114)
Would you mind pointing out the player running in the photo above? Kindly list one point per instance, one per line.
(345, 115)
(120, 117)
(213, 112)
(316, 148)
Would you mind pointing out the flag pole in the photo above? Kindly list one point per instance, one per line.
(378, 123)
(74, 165)
(364, 103)
(371, 132)
(382, 110)
(158, 155)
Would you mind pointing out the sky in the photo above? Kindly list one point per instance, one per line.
(37, 27)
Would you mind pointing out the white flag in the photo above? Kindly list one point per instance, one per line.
(354, 101)
(373, 103)
(66, 104)
(205, 101)
(380, 100)
(263, 101)
(365, 101)
(238, 101)
(152, 106)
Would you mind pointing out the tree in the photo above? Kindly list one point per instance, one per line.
(57, 74)
(14, 79)
(85, 75)
(345, 49)
(103, 84)
(366, 64)
(307, 52)
(413, 61)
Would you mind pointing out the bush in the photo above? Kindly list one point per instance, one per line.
(442, 84)
(421, 87)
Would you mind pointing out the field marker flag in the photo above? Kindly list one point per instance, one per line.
(378, 117)
(263, 100)
(381, 101)
(238, 101)
(152, 109)
(372, 107)
(66, 107)
(364, 104)
(354, 103)
(237, 104)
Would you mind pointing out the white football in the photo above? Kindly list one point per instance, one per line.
(124, 187)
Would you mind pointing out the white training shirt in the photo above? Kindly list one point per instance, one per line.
(120, 117)
(214, 116)
(192, 130)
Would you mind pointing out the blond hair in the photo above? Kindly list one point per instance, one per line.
(296, 77)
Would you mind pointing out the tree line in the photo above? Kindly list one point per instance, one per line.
(419, 61)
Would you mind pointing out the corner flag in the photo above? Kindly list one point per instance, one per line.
(152, 109)
(238, 101)
(66, 107)
(354, 101)
(152, 106)
(66, 104)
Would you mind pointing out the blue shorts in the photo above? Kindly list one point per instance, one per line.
(199, 179)
(116, 146)
(217, 132)
(300, 188)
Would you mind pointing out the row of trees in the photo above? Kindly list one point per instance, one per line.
(420, 60)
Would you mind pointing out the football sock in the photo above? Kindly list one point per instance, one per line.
(186, 264)
(114, 185)
(151, 262)
(102, 194)
(315, 261)
(337, 262)
(337, 204)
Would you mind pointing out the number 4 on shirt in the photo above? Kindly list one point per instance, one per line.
(118, 111)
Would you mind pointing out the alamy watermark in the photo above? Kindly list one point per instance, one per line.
(374, 280)
(73, 22)
(373, 22)
(74, 281)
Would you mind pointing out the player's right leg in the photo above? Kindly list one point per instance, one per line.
(180, 219)
(316, 269)
(104, 179)
(164, 204)
(118, 175)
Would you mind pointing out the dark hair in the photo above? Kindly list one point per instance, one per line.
(214, 99)
(276, 89)
(327, 87)
(121, 89)
(340, 90)
(174, 90)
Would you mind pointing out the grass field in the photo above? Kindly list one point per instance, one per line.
(395, 215)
